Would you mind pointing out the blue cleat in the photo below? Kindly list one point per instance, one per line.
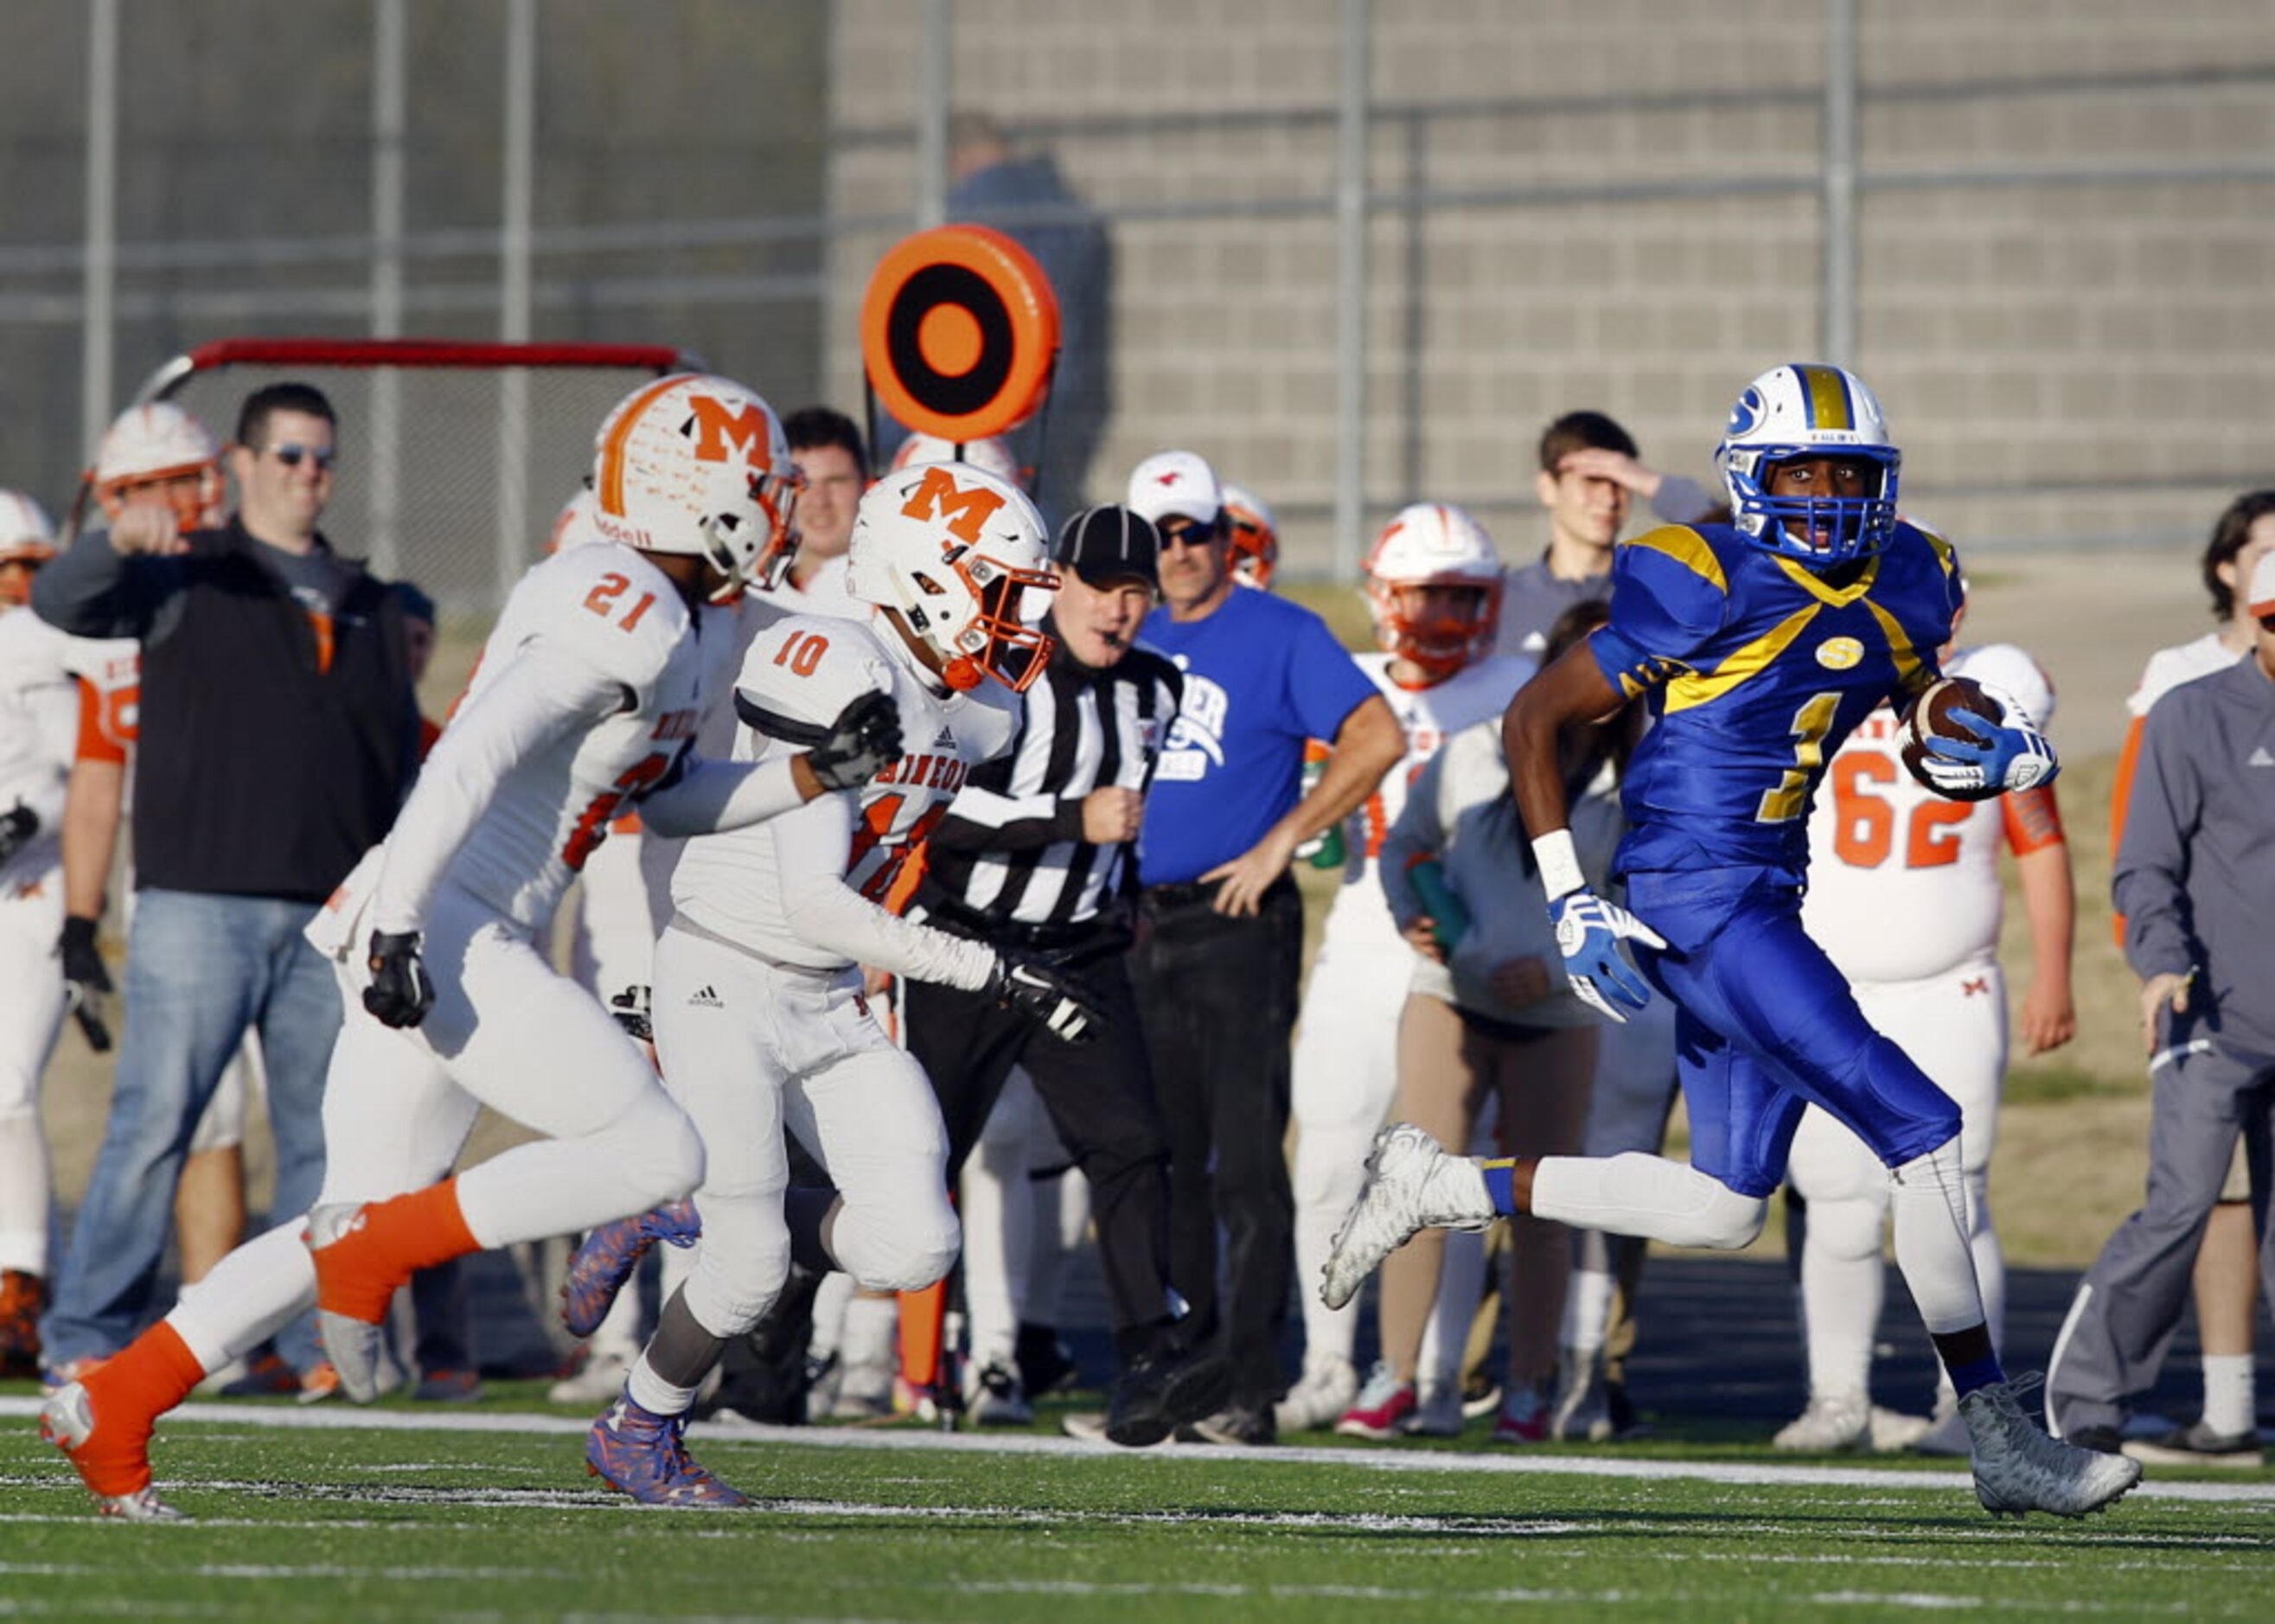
(609, 1254)
(639, 1452)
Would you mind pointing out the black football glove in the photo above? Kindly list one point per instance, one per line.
(861, 742)
(1068, 1010)
(630, 1009)
(400, 993)
(86, 980)
(19, 823)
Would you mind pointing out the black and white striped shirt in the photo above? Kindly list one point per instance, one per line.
(1010, 849)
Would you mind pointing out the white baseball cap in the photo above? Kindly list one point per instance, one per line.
(26, 535)
(1174, 485)
(2262, 595)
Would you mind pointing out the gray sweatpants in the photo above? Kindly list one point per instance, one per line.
(2129, 1304)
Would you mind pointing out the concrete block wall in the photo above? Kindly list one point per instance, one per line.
(2063, 362)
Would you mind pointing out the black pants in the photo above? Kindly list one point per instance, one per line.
(1217, 996)
(1100, 1098)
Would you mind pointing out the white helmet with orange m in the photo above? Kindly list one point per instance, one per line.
(27, 541)
(697, 465)
(160, 451)
(1255, 537)
(1434, 582)
(959, 554)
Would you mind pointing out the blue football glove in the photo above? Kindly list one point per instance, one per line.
(1589, 931)
(2005, 756)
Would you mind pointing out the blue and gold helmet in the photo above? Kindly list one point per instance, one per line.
(1807, 411)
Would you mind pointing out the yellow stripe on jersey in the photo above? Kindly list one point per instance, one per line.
(1838, 597)
(1685, 546)
(1945, 554)
(1693, 688)
(1829, 406)
(1909, 664)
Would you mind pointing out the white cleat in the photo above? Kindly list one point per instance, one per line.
(1411, 1184)
(992, 1397)
(2019, 1469)
(356, 1351)
(1834, 1423)
(1319, 1398)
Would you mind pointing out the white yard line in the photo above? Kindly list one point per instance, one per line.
(341, 1418)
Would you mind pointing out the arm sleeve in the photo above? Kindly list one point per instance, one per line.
(93, 591)
(542, 693)
(1417, 835)
(2150, 884)
(811, 847)
(709, 796)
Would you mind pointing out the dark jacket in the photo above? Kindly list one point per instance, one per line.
(262, 768)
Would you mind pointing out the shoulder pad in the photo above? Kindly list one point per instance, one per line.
(1685, 545)
(803, 670)
(615, 609)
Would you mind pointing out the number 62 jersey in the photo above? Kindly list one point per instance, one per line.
(820, 888)
(1903, 885)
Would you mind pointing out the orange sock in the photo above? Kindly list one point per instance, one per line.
(924, 1316)
(127, 1396)
(356, 1274)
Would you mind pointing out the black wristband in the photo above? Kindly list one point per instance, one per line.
(79, 932)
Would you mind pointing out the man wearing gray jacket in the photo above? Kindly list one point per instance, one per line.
(2196, 880)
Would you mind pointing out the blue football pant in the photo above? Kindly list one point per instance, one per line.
(1766, 1026)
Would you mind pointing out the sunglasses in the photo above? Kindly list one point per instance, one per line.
(1188, 535)
(290, 455)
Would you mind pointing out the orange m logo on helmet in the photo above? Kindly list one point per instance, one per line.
(716, 430)
(963, 510)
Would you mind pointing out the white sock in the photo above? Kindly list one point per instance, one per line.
(872, 1326)
(247, 1298)
(655, 1395)
(1929, 1202)
(1842, 1285)
(2230, 1406)
(1588, 1310)
(23, 1191)
(829, 1301)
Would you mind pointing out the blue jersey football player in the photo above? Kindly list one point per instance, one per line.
(1760, 644)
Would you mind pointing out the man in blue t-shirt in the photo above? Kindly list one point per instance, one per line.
(1221, 924)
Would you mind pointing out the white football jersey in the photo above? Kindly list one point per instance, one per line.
(614, 614)
(1476, 693)
(801, 672)
(1903, 884)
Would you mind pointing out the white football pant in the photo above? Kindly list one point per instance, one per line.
(750, 1047)
(1954, 1026)
(505, 1031)
(31, 1013)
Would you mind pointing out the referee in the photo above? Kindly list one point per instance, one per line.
(1037, 853)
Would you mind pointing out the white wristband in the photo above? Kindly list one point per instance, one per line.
(1560, 863)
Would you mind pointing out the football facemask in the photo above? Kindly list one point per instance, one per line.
(1797, 412)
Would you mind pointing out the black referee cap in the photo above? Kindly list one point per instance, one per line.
(1104, 544)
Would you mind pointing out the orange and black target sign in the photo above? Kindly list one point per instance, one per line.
(959, 332)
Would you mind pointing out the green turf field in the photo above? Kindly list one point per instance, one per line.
(322, 1514)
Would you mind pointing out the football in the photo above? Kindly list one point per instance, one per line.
(1934, 715)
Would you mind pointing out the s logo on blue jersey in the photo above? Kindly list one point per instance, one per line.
(1745, 414)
